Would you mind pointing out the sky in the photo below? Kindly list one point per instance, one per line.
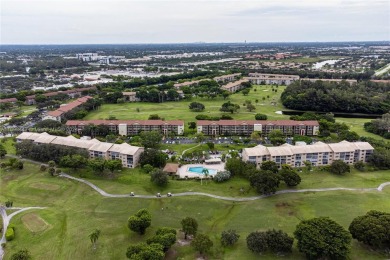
(186, 21)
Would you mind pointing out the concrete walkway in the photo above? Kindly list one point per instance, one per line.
(6, 219)
(106, 194)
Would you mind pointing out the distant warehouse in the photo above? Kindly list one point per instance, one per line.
(318, 154)
(128, 154)
(130, 127)
(247, 127)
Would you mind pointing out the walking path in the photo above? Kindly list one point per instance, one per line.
(6, 220)
(106, 194)
(190, 149)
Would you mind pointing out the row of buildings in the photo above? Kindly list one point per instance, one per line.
(318, 154)
(219, 79)
(207, 127)
(281, 79)
(247, 127)
(59, 114)
(129, 127)
(128, 154)
(131, 96)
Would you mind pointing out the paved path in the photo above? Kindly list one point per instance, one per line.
(106, 194)
(190, 149)
(6, 219)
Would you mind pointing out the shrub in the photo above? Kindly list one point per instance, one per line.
(222, 176)
(147, 168)
(261, 117)
(43, 167)
(10, 234)
(58, 171)
(229, 237)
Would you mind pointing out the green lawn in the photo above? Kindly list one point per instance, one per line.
(179, 110)
(357, 125)
(74, 210)
(9, 145)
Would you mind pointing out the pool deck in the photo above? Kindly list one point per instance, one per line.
(183, 172)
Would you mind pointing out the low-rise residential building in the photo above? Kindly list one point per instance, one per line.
(130, 96)
(318, 154)
(8, 100)
(270, 79)
(247, 127)
(350, 81)
(130, 127)
(59, 113)
(72, 93)
(227, 78)
(187, 83)
(235, 86)
(128, 154)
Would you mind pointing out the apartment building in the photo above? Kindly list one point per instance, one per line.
(72, 93)
(270, 79)
(59, 113)
(130, 127)
(128, 154)
(8, 100)
(227, 78)
(247, 127)
(318, 154)
(130, 96)
(350, 81)
(187, 83)
(234, 86)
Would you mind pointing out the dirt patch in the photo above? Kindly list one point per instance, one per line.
(34, 223)
(44, 186)
(285, 208)
(282, 205)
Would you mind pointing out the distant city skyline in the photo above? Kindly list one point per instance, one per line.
(127, 22)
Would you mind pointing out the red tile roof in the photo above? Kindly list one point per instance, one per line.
(252, 122)
(8, 100)
(68, 107)
(128, 122)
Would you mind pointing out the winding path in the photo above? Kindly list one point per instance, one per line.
(106, 194)
(7, 219)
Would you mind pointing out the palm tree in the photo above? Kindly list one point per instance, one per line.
(94, 236)
(205, 173)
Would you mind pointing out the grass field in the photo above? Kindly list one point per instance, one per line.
(180, 110)
(357, 125)
(74, 210)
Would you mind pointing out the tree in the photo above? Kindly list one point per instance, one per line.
(269, 166)
(359, 165)
(225, 94)
(322, 238)
(277, 137)
(196, 107)
(339, 167)
(289, 176)
(73, 161)
(113, 165)
(229, 107)
(202, 243)
(261, 117)
(52, 170)
(278, 241)
(159, 177)
(245, 91)
(372, 229)
(147, 168)
(257, 242)
(145, 252)
(96, 164)
(154, 117)
(153, 157)
(250, 107)
(191, 125)
(165, 237)
(140, 221)
(21, 255)
(3, 151)
(94, 236)
(210, 145)
(51, 163)
(151, 139)
(265, 182)
(229, 237)
(189, 226)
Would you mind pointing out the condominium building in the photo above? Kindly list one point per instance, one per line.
(318, 154)
(130, 127)
(59, 113)
(130, 96)
(8, 100)
(128, 154)
(260, 78)
(227, 78)
(247, 127)
(187, 83)
(350, 81)
(72, 93)
(234, 86)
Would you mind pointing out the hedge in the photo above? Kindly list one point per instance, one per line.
(10, 234)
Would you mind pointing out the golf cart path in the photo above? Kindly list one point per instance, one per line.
(6, 219)
(106, 194)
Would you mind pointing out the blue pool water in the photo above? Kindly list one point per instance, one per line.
(199, 170)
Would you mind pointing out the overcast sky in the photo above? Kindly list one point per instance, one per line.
(161, 21)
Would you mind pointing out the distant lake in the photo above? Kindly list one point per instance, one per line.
(319, 65)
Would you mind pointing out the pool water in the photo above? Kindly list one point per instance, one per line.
(199, 170)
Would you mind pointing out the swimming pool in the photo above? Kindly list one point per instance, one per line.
(199, 170)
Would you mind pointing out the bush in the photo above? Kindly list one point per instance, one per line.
(147, 168)
(10, 234)
(58, 171)
(359, 165)
(43, 167)
(159, 177)
(222, 176)
(229, 237)
(261, 117)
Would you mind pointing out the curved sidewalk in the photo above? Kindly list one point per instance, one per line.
(106, 194)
